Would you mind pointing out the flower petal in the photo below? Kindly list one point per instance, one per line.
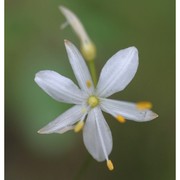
(79, 67)
(65, 121)
(118, 72)
(75, 23)
(97, 135)
(59, 87)
(127, 110)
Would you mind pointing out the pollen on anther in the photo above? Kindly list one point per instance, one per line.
(144, 105)
(78, 126)
(121, 119)
(88, 83)
(110, 165)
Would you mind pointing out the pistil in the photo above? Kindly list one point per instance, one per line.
(93, 101)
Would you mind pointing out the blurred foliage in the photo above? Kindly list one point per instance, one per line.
(34, 41)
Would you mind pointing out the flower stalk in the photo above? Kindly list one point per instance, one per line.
(92, 69)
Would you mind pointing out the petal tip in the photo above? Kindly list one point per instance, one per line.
(61, 7)
(67, 42)
(134, 49)
(39, 75)
(36, 78)
(40, 72)
(63, 10)
(151, 115)
(42, 131)
(155, 115)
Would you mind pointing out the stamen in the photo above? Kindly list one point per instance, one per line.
(144, 105)
(121, 119)
(78, 126)
(88, 83)
(110, 165)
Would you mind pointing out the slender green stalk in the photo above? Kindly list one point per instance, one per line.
(83, 168)
(93, 71)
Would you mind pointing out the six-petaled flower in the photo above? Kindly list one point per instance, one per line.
(90, 101)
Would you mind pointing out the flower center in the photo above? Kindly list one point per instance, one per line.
(93, 101)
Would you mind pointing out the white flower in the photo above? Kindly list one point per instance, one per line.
(89, 101)
(87, 46)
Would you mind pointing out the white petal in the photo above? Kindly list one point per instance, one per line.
(65, 121)
(127, 110)
(65, 129)
(118, 72)
(59, 87)
(97, 135)
(75, 23)
(79, 67)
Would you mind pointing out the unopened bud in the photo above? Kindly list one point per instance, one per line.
(88, 49)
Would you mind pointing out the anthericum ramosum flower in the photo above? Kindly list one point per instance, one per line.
(90, 101)
(88, 48)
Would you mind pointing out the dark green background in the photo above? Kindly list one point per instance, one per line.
(34, 41)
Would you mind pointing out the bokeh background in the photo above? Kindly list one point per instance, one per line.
(34, 41)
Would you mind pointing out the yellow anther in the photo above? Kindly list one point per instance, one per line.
(88, 50)
(121, 119)
(93, 101)
(110, 165)
(88, 83)
(144, 105)
(79, 126)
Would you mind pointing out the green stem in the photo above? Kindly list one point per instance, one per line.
(93, 71)
(83, 168)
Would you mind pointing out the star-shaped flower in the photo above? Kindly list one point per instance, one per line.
(90, 101)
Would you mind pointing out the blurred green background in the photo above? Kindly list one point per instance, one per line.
(34, 41)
